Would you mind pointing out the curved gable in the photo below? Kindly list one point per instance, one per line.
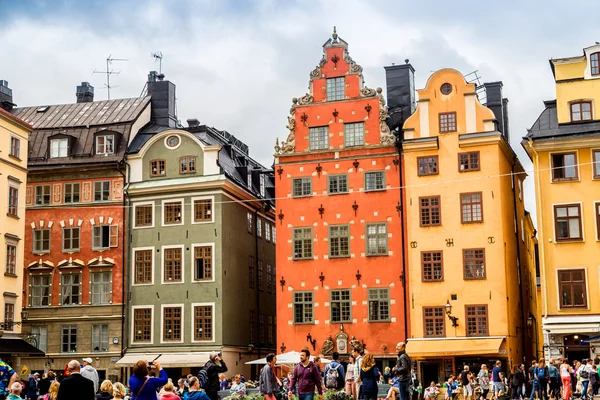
(180, 153)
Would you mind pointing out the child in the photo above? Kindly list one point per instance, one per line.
(395, 389)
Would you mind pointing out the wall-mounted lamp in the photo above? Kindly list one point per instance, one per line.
(448, 308)
(529, 321)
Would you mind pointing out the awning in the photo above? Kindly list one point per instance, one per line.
(571, 328)
(453, 347)
(17, 347)
(289, 358)
(166, 359)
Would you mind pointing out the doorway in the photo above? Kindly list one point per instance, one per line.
(430, 372)
(576, 347)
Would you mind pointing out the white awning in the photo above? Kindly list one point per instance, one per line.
(291, 357)
(571, 328)
(166, 359)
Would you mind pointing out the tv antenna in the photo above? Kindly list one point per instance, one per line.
(158, 56)
(110, 72)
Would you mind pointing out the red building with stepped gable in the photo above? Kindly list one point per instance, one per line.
(339, 255)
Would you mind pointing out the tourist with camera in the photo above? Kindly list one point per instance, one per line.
(143, 387)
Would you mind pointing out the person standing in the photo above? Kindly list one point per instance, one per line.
(553, 377)
(369, 376)
(584, 373)
(143, 387)
(484, 381)
(75, 386)
(8, 376)
(213, 368)
(414, 389)
(516, 382)
(306, 375)
(334, 373)
(119, 391)
(90, 372)
(496, 380)
(32, 387)
(15, 391)
(565, 376)
(350, 386)
(269, 383)
(465, 380)
(402, 370)
(357, 353)
(541, 380)
(194, 393)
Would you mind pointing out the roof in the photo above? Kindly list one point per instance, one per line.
(104, 112)
(14, 118)
(546, 127)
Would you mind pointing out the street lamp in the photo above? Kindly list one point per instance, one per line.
(529, 321)
(448, 308)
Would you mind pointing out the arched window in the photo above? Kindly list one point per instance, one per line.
(595, 64)
(581, 111)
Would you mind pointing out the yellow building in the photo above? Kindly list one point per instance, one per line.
(465, 230)
(564, 145)
(14, 134)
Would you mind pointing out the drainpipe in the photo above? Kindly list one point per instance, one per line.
(126, 244)
(256, 277)
(403, 277)
(521, 297)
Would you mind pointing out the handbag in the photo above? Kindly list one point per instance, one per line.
(140, 391)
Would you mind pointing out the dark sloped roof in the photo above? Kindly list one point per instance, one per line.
(547, 127)
(18, 346)
(83, 114)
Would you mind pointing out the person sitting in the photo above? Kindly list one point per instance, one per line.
(238, 388)
(431, 391)
(451, 388)
(394, 389)
(222, 381)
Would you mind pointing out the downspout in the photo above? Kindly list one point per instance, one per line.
(521, 297)
(403, 276)
(126, 243)
(255, 234)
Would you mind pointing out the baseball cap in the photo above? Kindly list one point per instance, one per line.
(88, 360)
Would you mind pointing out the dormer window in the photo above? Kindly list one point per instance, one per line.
(581, 111)
(105, 144)
(59, 148)
(595, 64)
(157, 167)
(336, 89)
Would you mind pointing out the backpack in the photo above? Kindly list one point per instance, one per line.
(541, 373)
(203, 378)
(332, 377)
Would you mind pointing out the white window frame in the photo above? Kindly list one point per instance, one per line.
(267, 227)
(105, 137)
(59, 142)
(16, 186)
(162, 214)
(194, 305)
(592, 151)
(153, 251)
(162, 264)
(133, 308)
(144, 203)
(92, 273)
(193, 258)
(212, 200)
(61, 297)
(162, 322)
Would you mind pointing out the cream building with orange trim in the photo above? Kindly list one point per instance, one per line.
(466, 232)
(564, 145)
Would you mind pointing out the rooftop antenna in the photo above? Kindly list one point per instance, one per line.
(158, 56)
(110, 72)
(475, 78)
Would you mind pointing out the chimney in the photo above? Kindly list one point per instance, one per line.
(498, 105)
(85, 93)
(193, 122)
(162, 100)
(400, 83)
(6, 98)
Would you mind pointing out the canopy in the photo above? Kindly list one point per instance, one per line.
(456, 347)
(291, 357)
(166, 359)
(17, 347)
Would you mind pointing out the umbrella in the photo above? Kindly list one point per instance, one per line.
(291, 357)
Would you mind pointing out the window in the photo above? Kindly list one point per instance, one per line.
(70, 289)
(468, 161)
(581, 111)
(379, 304)
(105, 236)
(520, 186)
(261, 327)
(99, 338)
(339, 241)
(252, 318)
(261, 284)
(101, 287)
(318, 138)
(41, 240)
(434, 322)
(447, 122)
(40, 333)
(172, 212)
(338, 184)
(15, 147)
(270, 276)
(68, 342)
(11, 259)
(336, 89)
(39, 292)
(596, 158)
(72, 193)
(157, 167)
(427, 165)
(203, 323)
(474, 263)
(572, 288)
(270, 335)
(172, 265)
(567, 220)
(187, 165)
(564, 167)
(143, 267)
(374, 181)
(302, 238)
(142, 325)
(303, 307)
(249, 217)
(102, 191)
(42, 195)
(301, 187)
(597, 207)
(251, 276)
(446, 89)
(105, 144)
(432, 266)
(267, 231)
(354, 134)
(203, 210)
(172, 323)
(249, 178)
(258, 227)
(59, 148)
(471, 207)
(595, 63)
(477, 320)
(377, 239)
(143, 215)
(274, 234)
(203, 263)
(9, 316)
(262, 185)
(430, 211)
(70, 239)
(341, 306)
(13, 201)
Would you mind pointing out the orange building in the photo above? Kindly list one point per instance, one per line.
(339, 221)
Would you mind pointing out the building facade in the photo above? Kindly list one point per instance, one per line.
(564, 145)
(75, 231)
(201, 273)
(339, 258)
(465, 230)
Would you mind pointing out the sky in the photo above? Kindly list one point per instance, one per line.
(237, 64)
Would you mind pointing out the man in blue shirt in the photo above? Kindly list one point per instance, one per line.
(496, 379)
(336, 371)
(7, 377)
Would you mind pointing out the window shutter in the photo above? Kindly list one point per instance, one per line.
(114, 236)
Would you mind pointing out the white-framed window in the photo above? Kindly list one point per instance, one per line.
(203, 262)
(172, 212)
(105, 144)
(250, 219)
(143, 266)
(13, 200)
(59, 148)
(143, 215)
(39, 290)
(267, 231)
(15, 147)
(172, 264)
(203, 322)
(262, 185)
(142, 327)
(171, 329)
(273, 234)
(11, 258)
(105, 236)
(354, 134)
(40, 333)
(259, 227)
(520, 185)
(70, 289)
(99, 338)
(101, 283)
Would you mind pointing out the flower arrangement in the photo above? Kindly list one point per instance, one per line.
(336, 395)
